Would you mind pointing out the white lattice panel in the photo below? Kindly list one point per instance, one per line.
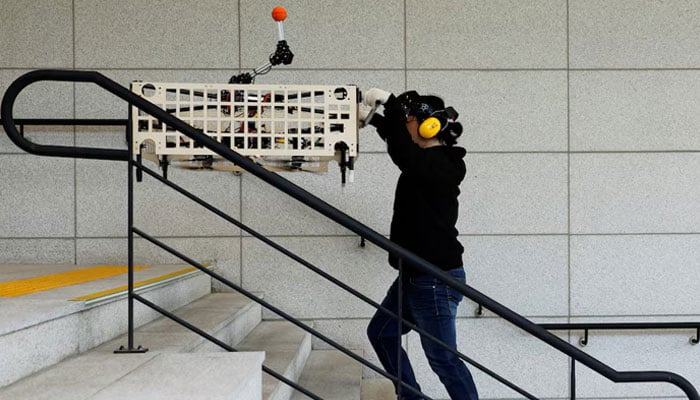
(254, 120)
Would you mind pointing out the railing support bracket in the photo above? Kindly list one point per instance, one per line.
(479, 310)
(125, 350)
(584, 340)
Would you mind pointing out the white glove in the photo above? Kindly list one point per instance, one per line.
(364, 116)
(375, 96)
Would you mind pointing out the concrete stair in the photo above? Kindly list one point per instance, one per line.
(176, 357)
(332, 375)
(179, 364)
(287, 348)
(58, 328)
(377, 389)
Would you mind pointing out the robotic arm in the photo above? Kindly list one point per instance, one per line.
(282, 55)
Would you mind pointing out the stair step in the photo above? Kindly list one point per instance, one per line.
(377, 389)
(176, 354)
(228, 317)
(191, 376)
(146, 376)
(331, 375)
(84, 375)
(58, 328)
(286, 347)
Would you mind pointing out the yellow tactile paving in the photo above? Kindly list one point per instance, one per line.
(23, 287)
(137, 284)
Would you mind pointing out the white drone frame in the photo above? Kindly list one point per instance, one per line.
(284, 127)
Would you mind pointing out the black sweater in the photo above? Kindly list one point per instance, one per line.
(425, 203)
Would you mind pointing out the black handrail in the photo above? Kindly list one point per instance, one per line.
(6, 109)
(78, 121)
(8, 100)
(619, 326)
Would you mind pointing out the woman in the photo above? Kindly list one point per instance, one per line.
(421, 135)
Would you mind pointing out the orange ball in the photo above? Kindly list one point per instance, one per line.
(279, 13)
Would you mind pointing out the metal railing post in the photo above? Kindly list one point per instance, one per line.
(130, 247)
(573, 379)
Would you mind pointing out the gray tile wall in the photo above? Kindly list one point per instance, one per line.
(580, 203)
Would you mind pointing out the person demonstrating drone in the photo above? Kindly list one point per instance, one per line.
(421, 134)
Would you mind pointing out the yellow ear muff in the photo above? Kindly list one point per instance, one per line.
(429, 128)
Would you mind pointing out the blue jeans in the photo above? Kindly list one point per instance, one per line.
(432, 306)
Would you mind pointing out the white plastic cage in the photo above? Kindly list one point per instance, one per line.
(275, 124)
